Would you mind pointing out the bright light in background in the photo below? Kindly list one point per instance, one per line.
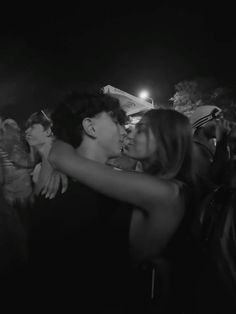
(144, 94)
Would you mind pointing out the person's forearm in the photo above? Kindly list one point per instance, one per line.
(134, 188)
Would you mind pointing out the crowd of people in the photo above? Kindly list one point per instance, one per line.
(155, 234)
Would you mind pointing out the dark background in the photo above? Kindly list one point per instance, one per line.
(47, 49)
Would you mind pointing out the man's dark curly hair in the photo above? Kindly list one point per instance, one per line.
(68, 116)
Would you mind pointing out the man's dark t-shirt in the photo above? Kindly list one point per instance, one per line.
(79, 246)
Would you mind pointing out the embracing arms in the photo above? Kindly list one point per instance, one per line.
(135, 188)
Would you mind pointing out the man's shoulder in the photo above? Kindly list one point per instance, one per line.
(201, 149)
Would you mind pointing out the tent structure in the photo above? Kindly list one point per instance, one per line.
(131, 105)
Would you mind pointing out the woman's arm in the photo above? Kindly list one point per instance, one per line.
(138, 189)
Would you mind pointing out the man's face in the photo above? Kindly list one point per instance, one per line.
(109, 134)
(36, 134)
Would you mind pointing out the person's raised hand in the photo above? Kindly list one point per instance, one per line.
(56, 181)
(222, 129)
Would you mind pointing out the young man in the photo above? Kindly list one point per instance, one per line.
(72, 236)
(210, 134)
(39, 136)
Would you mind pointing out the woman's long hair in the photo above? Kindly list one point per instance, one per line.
(173, 134)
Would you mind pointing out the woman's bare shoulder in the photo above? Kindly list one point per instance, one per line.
(168, 189)
(169, 199)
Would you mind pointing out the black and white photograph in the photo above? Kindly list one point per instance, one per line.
(118, 158)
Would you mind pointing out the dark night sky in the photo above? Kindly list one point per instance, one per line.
(45, 50)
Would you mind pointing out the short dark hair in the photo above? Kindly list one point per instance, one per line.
(75, 107)
(42, 117)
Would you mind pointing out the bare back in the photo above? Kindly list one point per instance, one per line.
(149, 234)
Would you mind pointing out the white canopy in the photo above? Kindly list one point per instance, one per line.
(130, 104)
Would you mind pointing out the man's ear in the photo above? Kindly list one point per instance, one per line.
(49, 132)
(88, 126)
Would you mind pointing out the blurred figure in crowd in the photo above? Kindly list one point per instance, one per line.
(16, 165)
(214, 228)
(211, 154)
(40, 137)
(15, 191)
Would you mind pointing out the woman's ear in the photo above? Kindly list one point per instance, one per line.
(88, 126)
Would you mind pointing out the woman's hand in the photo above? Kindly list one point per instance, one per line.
(50, 180)
(53, 184)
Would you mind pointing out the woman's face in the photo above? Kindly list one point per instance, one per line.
(142, 144)
(37, 135)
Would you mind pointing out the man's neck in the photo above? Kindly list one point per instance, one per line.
(44, 149)
(90, 150)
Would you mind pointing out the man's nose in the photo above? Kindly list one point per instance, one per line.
(123, 132)
(131, 133)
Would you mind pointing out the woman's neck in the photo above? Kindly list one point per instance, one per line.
(90, 150)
